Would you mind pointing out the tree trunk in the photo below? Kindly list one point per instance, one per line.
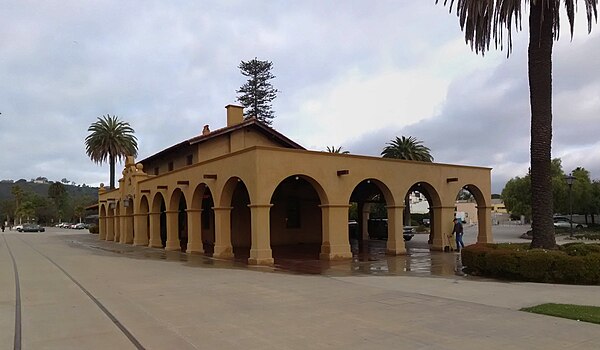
(540, 93)
(112, 171)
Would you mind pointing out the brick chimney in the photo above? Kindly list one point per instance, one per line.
(235, 114)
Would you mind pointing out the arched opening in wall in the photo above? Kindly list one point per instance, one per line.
(159, 206)
(178, 203)
(145, 209)
(469, 205)
(419, 216)
(296, 219)
(129, 209)
(367, 218)
(208, 222)
(241, 236)
(102, 221)
(117, 223)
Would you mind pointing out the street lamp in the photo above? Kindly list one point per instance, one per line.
(570, 179)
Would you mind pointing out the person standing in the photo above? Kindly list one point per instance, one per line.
(457, 231)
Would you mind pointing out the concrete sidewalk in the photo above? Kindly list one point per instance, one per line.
(171, 305)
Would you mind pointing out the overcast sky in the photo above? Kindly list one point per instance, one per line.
(350, 73)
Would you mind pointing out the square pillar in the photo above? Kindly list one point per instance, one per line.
(117, 227)
(194, 219)
(155, 241)
(395, 241)
(110, 228)
(336, 243)
(223, 248)
(484, 225)
(172, 231)
(365, 214)
(260, 252)
(442, 236)
(102, 228)
(140, 228)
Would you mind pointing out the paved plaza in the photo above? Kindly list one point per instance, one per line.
(80, 293)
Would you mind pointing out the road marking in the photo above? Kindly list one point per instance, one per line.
(123, 329)
(17, 339)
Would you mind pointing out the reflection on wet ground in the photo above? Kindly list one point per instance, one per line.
(369, 258)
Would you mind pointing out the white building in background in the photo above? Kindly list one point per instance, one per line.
(418, 203)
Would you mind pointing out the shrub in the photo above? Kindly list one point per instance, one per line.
(94, 229)
(575, 263)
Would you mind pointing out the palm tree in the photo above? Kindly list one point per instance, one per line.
(481, 20)
(407, 148)
(410, 149)
(110, 139)
(333, 149)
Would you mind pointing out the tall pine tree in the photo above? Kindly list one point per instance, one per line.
(257, 93)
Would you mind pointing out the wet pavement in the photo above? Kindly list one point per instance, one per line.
(369, 258)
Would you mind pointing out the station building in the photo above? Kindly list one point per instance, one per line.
(246, 191)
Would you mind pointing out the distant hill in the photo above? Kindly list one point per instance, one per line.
(41, 189)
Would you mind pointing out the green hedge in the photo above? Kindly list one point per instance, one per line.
(94, 229)
(573, 263)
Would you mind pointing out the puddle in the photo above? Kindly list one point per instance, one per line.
(369, 258)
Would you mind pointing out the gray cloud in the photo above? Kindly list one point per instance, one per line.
(169, 68)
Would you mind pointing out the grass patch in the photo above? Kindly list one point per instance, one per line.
(574, 312)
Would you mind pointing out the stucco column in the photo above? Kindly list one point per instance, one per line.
(126, 229)
(110, 228)
(336, 244)
(484, 225)
(140, 228)
(117, 226)
(102, 228)
(194, 219)
(155, 241)
(172, 231)
(443, 228)
(395, 241)
(260, 252)
(223, 248)
(365, 214)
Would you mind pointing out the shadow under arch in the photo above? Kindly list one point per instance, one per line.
(482, 209)
(178, 203)
(235, 195)
(102, 222)
(202, 204)
(296, 218)
(434, 201)
(144, 209)
(159, 233)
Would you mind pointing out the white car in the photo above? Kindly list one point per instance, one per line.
(18, 227)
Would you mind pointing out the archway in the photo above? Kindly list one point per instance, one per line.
(235, 195)
(117, 222)
(368, 218)
(102, 222)
(178, 207)
(296, 219)
(421, 202)
(473, 211)
(142, 228)
(129, 234)
(202, 216)
(158, 222)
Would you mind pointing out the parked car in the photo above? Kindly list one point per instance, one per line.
(378, 229)
(79, 226)
(564, 222)
(31, 228)
(18, 227)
